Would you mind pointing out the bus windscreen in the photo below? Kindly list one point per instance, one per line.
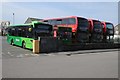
(43, 27)
(97, 25)
(42, 30)
(109, 26)
(83, 24)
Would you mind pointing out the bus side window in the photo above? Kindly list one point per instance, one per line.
(23, 31)
(9, 31)
(53, 22)
(29, 32)
(16, 31)
(19, 31)
(13, 31)
(64, 21)
(59, 21)
(49, 21)
(71, 21)
(46, 21)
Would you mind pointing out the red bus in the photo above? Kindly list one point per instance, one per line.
(96, 30)
(79, 25)
(108, 32)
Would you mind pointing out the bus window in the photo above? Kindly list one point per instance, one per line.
(59, 21)
(64, 21)
(9, 31)
(110, 29)
(42, 30)
(19, 31)
(49, 21)
(23, 31)
(29, 31)
(53, 22)
(46, 21)
(97, 25)
(83, 24)
(16, 32)
(109, 26)
(44, 27)
(71, 21)
(13, 32)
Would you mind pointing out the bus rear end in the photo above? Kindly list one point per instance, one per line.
(42, 30)
(108, 32)
(82, 33)
(96, 31)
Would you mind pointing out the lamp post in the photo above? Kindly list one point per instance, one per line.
(13, 18)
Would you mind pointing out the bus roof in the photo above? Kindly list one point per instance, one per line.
(34, 22)
(106, 22)
(94, 20)
(19, 25)
(63, 18)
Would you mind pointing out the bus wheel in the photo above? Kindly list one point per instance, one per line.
(12, 43)
(23, 45)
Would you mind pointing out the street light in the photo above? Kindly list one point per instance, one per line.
(13, 18)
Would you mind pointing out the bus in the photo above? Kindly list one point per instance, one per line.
(108, 32)
(24, 34)
(96, 31)
(79, 25)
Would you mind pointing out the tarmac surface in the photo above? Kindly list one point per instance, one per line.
(22, 63)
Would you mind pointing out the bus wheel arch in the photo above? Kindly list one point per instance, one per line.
(23, 44)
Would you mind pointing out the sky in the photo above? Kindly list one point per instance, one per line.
(103, 11)
(60, 0)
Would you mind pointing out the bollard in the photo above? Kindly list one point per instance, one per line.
(36, 46)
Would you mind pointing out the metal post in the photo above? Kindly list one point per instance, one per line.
(13, 18)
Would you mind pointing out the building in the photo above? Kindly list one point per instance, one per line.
(3, 26)
(117, 33)
(29, 20)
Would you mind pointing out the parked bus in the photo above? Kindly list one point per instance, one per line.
(23, 34)
(96, 30)
(108, 32)
(79, 25)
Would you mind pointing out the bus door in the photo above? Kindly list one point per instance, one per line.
(18, 35)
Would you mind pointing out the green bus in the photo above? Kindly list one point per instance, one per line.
(23, 35)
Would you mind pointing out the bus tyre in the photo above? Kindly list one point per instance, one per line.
(12, 43)
(23, 45)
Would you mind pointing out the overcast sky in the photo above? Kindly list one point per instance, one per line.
(105, 11)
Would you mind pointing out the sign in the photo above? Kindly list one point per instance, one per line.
(17, 40)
